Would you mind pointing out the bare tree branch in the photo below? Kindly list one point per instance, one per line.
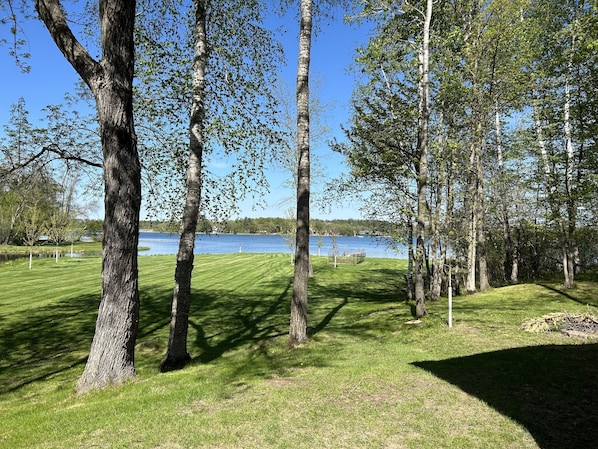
(65, 155)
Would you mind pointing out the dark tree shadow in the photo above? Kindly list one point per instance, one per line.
(328, 318)
(566, 295)
(46, 341)
(226, 320)
(551, 390)
(251, 322)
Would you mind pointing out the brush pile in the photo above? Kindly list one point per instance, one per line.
(582, 325)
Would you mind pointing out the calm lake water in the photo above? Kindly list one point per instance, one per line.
(163, 243)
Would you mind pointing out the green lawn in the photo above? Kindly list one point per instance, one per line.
(79, 248)
(367, 379)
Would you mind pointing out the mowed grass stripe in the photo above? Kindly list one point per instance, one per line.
(235, 271)
(21, 288)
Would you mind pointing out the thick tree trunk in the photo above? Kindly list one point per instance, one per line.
(298, 326)
(177, 355)
(111, 357)
(420, 294)
(112, 353)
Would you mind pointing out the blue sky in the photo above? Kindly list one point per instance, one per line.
(333, 50)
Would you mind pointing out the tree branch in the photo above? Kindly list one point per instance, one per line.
(72, 157)
(49, 149)
(52, 14)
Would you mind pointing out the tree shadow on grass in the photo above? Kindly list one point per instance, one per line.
(234, 320)
(48, 340)
(41, 342)
(249, 319)
(328, 318)
(551, 390)
(45, 341)
(566, 295)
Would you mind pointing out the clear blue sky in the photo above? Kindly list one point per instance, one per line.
(333, 50)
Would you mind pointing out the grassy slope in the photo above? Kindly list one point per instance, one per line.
(366, 379)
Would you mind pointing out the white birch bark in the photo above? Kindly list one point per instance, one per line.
(177, 355)
(298, 325)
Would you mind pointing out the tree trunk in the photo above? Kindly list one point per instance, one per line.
(411, 257)
(482, 262)
(502, 190)
(568, 229)
(438, 249)
(438, 252)
(111, 358)
(470, 284)
(481, 219)
(475, 186)
(298, 326)
(515, 257)
(177, 355)
(422, 164)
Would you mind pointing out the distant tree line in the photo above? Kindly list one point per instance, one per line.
(278, 225)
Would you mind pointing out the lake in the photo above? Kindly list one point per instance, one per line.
(164, 243)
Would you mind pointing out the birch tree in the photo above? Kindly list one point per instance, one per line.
(389, 140)
(225, 88)
(422, 163)
(177, 354)
(298, 326)
(563, 83)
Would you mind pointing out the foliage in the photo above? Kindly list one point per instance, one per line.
(52, 166)
(500, 180)
(241, 127)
